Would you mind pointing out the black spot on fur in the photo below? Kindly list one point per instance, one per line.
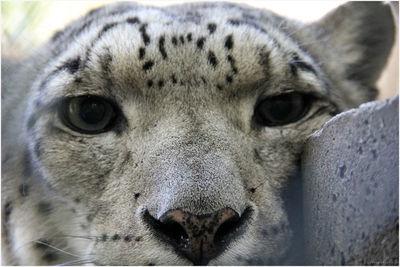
(234, 22)
(23, 190)
(145, 36)
(252, 190)
(160, 83)
(151, 264)
(229, 42)
(148, 65)
(189, 37)
(128, 238)
(182, 39)
(211, 27)
(104, 237)
(72, 65)
(44, 208)
(263, 58)
(200, 42)
(137, 195)
(50, 257)
(161, 47)
(174, 81)
(219, 87)
(77, 200)
(90, 217)
(228, 79)
(174, 41)
(134, 20)
(142, 52)
(138, 238)
(203, 79)
(149, 83)
(212, 59)
(116, 237)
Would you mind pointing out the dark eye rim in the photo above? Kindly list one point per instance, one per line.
(63, 107)
(307, 98)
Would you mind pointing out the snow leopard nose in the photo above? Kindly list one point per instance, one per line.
(200, 238)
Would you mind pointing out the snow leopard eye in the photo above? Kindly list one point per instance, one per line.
(87, 114)
(282, 109)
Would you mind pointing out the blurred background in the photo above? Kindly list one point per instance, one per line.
(27, 24)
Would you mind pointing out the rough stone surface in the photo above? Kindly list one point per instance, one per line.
(351, 188)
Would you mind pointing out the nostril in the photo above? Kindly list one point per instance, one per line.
(169, 229)
(225, 229)
(175, 232)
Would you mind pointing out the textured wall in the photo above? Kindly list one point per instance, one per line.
(351, 188)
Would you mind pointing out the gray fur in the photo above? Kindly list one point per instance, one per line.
(187, 79)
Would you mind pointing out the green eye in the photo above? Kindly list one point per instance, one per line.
(87, 114)
(282, 109)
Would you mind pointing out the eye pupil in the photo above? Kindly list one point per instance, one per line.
(281, 110)
(92, 111)
(87, 114)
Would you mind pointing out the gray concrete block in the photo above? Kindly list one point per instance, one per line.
(351, 188)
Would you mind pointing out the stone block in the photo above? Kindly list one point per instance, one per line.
(351, 188)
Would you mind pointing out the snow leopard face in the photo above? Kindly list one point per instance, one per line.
(168, 136)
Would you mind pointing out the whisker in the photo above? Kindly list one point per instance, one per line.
(58, 249)
(76, 262)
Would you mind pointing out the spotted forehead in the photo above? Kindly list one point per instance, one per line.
(154, 47)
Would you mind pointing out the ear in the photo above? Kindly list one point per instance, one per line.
(359, 36)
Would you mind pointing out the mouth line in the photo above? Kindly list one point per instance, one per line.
(227, 233)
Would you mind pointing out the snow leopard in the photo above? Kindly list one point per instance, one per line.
(142, 135)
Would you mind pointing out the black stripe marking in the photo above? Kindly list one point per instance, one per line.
(7, 211)
(27, 164)
(38, 148)
(237, 22)
(200, 43)
(134, 20)
(174, 41)
(232, 61)
(182, 39)
(174, 81)
(229, 42)
(212, 59)
(142, 52)
(72, 65)
(297, 62)
(161, 47)
(148, 65)
(145, 36)
(106, 28)
(211, 27)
